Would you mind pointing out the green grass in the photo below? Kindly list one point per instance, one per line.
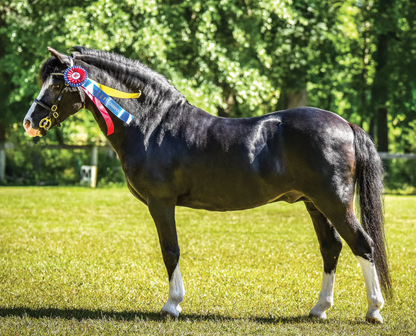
(82, 262)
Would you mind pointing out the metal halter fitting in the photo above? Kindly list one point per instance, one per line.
(46, 122)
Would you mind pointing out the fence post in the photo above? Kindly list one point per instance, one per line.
(2, 153)
(94, 155)
(94, 161)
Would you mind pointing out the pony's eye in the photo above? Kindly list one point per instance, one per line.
(54, 87)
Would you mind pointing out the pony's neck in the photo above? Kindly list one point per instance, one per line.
(148, 111)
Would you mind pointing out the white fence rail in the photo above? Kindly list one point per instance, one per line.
(94, 150)
(391, 156)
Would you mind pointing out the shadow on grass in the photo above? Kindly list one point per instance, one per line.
(81, 314)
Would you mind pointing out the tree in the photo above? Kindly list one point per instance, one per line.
(234, 58)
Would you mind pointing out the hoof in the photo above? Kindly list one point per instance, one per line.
(316, 315)
(374, 318)
(169, 315)
(170, 311)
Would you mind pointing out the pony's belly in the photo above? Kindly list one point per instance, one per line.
(221, 203)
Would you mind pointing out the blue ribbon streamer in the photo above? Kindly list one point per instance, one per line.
(107, 101)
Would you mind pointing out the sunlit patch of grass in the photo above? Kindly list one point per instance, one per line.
(80, 261)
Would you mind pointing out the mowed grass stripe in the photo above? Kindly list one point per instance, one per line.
(80, 261)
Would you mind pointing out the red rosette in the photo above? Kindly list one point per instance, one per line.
(75, 76)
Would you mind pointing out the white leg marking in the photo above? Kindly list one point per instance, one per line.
(176, 294)
(326, 297)
(374, 297)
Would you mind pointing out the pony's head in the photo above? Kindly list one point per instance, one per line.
(56, 100)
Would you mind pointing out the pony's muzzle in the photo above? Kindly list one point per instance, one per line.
(31, 131)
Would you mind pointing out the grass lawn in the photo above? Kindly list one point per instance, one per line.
(85, 262)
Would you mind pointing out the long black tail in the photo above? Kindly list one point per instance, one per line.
(369, 188)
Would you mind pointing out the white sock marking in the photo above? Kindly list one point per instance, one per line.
(374, 296)
(326, 297)
(176, 294)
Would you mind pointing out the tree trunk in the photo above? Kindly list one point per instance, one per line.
(2, 153)
(292, 98)
(372, 128)
(380, 92)
(382, 130)
(232, 109)
(297, 98)
(226, 112)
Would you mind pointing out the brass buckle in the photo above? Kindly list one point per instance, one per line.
(45, 123)
(54, 108)
(55, 114)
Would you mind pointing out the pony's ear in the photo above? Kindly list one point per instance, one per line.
(64, 59)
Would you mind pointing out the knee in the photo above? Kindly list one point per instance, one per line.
(171, 259)
(330, 254)
(172, 252)
(171, 255)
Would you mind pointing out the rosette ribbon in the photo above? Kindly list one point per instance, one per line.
(77, 76)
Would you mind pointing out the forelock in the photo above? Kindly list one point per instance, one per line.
(51, 65)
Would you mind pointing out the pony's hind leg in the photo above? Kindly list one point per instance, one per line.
(374, 296)
(330, 245)
(361, 244)
(163, 214)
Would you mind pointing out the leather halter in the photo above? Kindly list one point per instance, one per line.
(46, 122)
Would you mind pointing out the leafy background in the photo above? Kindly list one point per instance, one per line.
(233, 58)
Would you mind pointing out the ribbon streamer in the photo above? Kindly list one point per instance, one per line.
(100, 95)
(116, 93)
(103, 111)
(107, 101)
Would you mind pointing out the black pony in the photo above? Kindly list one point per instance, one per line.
(173, 153)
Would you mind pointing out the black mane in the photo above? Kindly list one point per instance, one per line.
(132, 73)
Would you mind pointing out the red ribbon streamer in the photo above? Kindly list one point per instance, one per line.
(103, 111)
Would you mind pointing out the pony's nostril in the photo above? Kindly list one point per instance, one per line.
(27, 125)
(29, 130)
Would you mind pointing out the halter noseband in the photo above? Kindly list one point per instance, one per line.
(46, 122)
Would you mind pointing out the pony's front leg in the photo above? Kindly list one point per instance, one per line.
(163, 213)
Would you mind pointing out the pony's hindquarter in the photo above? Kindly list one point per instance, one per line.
(332, 207)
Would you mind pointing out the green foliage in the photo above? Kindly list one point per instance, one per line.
(29, 164)
(109, 172)
(234, 58)
(78, 261)
(400, 177)
(217, 50)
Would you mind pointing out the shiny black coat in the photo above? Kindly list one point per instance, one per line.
(174, 153)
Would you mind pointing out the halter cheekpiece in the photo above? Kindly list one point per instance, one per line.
(77, 77)
(46, 122)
